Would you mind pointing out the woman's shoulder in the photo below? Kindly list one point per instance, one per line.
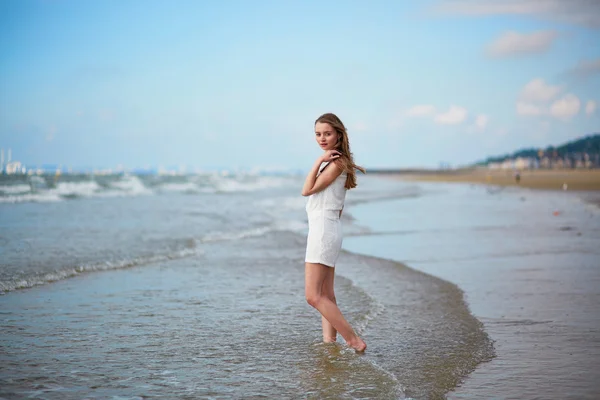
(335, 165)
(340, 167)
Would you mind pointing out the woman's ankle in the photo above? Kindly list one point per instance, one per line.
(329, 339)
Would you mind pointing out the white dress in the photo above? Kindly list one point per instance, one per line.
(324, 240)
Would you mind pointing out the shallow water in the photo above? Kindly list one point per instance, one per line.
(236, 324)
(225, 318)
(528, 263)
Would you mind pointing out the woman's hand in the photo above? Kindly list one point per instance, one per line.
(330, 155)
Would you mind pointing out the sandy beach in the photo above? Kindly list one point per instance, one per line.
(588, 180)
(527, 261)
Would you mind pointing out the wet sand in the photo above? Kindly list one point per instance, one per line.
(527, 261)
(235, 324)
(533, 179)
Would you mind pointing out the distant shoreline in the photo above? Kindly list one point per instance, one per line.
(588, 180)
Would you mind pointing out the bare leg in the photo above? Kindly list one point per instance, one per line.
(329, 332)
(315, 274)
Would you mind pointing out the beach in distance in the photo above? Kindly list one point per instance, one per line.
(551, 179)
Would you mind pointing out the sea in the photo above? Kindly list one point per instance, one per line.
(191, 286)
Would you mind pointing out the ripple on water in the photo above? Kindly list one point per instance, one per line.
(235, 323)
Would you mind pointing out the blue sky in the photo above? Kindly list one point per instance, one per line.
(238, 84)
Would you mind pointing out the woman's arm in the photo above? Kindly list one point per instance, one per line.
(314, 183)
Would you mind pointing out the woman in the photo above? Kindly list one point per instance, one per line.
(332, 174)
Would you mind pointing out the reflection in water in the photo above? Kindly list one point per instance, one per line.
(336, 371)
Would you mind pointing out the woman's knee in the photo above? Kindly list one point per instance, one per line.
(313, 299)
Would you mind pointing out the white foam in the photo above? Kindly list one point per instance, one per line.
(131, 185)
(83, 189)
(186, 187)
(32, 197)
(246, 183)
(221, 236)
(280, 225)
(14, 189)
(62, 190)
(109, 265)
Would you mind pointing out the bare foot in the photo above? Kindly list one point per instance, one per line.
(358, 344)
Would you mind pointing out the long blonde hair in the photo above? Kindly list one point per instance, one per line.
(346, 160)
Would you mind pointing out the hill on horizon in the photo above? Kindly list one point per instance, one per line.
(589, 144)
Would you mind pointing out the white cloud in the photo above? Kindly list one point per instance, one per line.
(535, 101)
(513, 43)
(481, 121)
(590, 107)
(421, 110)
(538, 91)
(455, 115)
(578, 12)
(529, 109)
(566, 107)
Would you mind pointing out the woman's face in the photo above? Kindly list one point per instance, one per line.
(325, 135)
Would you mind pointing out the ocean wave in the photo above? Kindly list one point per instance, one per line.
(223, 236)
(52, 188)
(32, 197)
(246, 183)
(57, 275)
(14, 189)
(278, 225)
(191, 248)
(131, 185)
(76, 189)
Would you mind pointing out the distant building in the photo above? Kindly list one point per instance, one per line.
(519, 163)
(524, 163)
(14, 167)
(11, 167)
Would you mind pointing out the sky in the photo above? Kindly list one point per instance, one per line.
(239, 84)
